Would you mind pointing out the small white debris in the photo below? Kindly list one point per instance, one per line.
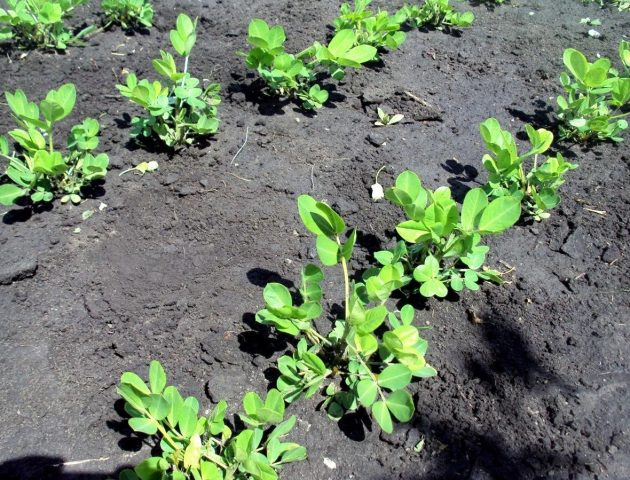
(594, 33)
(102, 207)
(377, 192)
(531, 14)
(329, 463)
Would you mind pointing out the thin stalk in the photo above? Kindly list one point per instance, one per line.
(165, 434)
(621, 115)
(346, 280)
(357, 356)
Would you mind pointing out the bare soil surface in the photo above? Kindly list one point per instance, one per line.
(533, 375)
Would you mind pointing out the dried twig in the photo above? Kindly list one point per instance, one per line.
(242, 146)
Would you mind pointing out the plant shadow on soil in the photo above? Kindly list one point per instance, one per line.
(42, 467)
(469, 453)
(463, 174)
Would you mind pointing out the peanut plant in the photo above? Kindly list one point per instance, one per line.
(38, 168)
(596, 94)
(129, 14)
(441, 244)
(369, 356)
(195, 447)
(437, 14)
(381, 30)
(507, 175)
(294, 76)
(40, 23)
(180, 110)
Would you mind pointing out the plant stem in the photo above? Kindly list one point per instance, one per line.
(357, 356)
(165, 434)
(621, 115)
(346, 280)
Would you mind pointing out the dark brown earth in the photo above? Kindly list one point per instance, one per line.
(533, 376)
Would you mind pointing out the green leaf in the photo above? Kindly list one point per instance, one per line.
(500, 215)
(143, 425)
(412, 231)
(277, 296)
(367, 391)
(366, 344)
(361, 54)
(400, 404)
(157, 377)
(348, 247)
(252, 403)
(475, 202)
(159, 407)
(9, 193)
(136, 382)
(373, 319)
(327, 250)
(341, 42)
(433, 287)
(576, 62)
(382, 416)
(407, 313)
(319, 218)
(152, 469)
(65, 97)
(274, 407)
(394, 377)
(187, 421)
(283, 428)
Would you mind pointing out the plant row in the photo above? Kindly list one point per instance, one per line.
(180, 110)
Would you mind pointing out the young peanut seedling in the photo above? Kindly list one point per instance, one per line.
(507, 175)
(129, 14)
(385, 119)
(596, 94)
(380, 30)
(197, 447)
(370, 355)
(294, 76)
(441, 245)
(179, 110)
(40, 23)
(437, 14)
(38, 168)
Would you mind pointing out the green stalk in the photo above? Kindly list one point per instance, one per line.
(346, 279)
(357, 356)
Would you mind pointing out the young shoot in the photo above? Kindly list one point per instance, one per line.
(385, 119)
(38, 168)
(441, 244)
(295, 75)
(596, 96)
(179, 109)
(381, 30)
(537, 188)
(129, 14)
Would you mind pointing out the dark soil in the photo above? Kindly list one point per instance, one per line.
(533, 376)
